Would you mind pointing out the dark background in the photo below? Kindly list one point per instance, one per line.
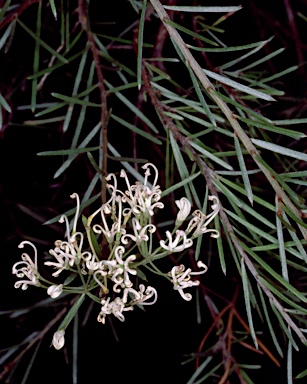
(151, 345)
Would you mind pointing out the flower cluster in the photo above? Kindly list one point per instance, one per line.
(116, 244)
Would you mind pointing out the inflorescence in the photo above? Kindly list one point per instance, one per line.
(125, 229)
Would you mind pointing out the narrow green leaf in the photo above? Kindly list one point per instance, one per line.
(36, 57)
(199, 370)
(238, 86)
(189, 32)
(301, 375)
(202, 9)
(136, 130)
(6, 35)
(269, 323)
(94, 241)
(42, 43)
(71, 105)
(263, 60)
(4, 8)
(179, 185)
(220, 244)
(75, 349)
(140, 44)
(242, 57)
(272, 128)
(290, 121)
(252, 227)
(281, 242)
(133, 108)
(279, 149)
(226, 49)
(284, 327)
(211, 156)
(271, 271)
(127, 159)
(243, 169)
(5, 104)
(241, 190)
(53, 8)
(201, 97)
(74, 100)
(245, 283)
(289, 363)
(55, 66)
(71, 313)
(84, 143)
(63, 152)
(181, 165)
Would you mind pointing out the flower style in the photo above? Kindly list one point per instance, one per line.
(184, 206)
(122, 268)
(201, 221)
(139, 232)
(142, 197)
(63, 259)
(55, 290)
(173, 245)
(28, 270)
(58, 339)
(144, 295)
(182, 279)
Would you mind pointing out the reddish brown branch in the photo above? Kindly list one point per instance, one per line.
(17, 12)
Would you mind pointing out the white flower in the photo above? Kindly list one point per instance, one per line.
(62, 258)
(182, 279)
(26, 268)
(122, 269)
(184, 206)
(55, 290)
(90, 262)
(144, 295)
(201, 221)
(173, 245)
(139, 232)
(58, 339)
(142, 197)
(116, 307)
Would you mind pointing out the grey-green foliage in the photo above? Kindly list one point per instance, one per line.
(213, 139)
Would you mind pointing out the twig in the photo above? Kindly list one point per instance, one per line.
(17, 12)
(208, 174)
(208, 86)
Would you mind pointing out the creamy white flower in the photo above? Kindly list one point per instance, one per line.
(55, 290)
(142, 197)
(116, 307)
(144, 295)
(26, 268)
(123, 268)
(184, 206)
(62, 262)
(58, 339)
(172, 245)
(139, 232)
(181, 278)
(199, 223)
